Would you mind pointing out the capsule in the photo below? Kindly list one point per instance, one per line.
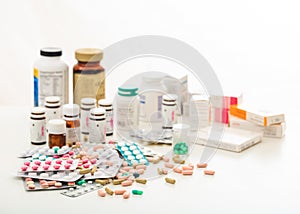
(177, 170)
(209, 172)
(187, 172)
(201, 165)
(126, 195)
(170, 180)
(84, 171)
(120, 191)
(109, 191)
(141, 180)
(137, 192)
(127, 183)
(101, 193)
(169, 165)
(187, 168)
(117, 181)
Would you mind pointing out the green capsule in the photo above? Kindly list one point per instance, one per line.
(81, 182)
(137, 192)
(56, 150)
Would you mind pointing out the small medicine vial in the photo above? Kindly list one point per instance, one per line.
(38, 126)
(86, 105)
(97, 126)
(169, 110)
(107, 105)
(181, 142)
(71, 116)
(51, 76)
(56, 130)
(53, 108)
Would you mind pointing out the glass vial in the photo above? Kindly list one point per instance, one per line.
(51, 76)
(53, 108)
(127, 111)
(86, 105)
(71, 116)
(88, 75)
(56, 129)
(181, 142)
(37, 126)
(107, 105)
(97, 126)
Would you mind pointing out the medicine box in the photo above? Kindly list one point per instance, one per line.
(276, 130)
(230, 139)
(259, 117)
(227, 100)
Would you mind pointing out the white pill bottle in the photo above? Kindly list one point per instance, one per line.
(126, 111)
(50, 76)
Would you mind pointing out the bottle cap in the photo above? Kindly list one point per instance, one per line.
(38, 112)
(88, 103)
(127, 91)
(52, 101)
(71, 109)
(88, 55)
(51, 51)
(97, 113)
(170, 97)
(104, 103)
(56, 126)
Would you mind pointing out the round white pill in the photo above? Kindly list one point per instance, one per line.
(44, 175)
(67, 177)
(133, 147)
(143, 161)
(56, 176)
(127, 153)
(130, 157)
(124, 148)
(139, 156)
(121, 143)
(136, 152)
(133, 162)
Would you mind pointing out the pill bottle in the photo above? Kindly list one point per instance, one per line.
(181, 142)
(199, 112)
(71, 116)
(107, 105)
(97, 125)
(150, 93)
(86, 105)
(169, 108)
(127, 111)
(88, 75)
(51, 76)
(53, 108)
(38, 126)
(56, 131)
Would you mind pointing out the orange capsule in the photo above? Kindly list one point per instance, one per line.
(187, 168)
(187, 172)
(169, 165)
(209, 172)
(101, 193)
(177, 170)
(126, 195)
(120, 191)
(191, 165)
(201, 165)
(127, 183)
(141, 167)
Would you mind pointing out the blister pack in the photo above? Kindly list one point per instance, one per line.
(37, 184)
(131, 153)
(40, 151)
(63, 176)
(82, 188)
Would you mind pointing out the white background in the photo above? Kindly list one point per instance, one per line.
(252, 45)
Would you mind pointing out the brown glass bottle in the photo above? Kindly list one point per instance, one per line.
(56, 129)
(88, 75)
(71, 116)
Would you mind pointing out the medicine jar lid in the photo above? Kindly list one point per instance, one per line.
(104, 103)
(71, 109)
(127, 91)
(51, 51)
(88, 101)
(88, 55)
(56, 126)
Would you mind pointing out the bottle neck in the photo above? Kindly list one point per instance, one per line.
(88, 63)
(50, 57)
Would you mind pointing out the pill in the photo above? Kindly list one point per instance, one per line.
(139, 156)
(94, 169)
(101, 193)
(36, 156)
(29, 182)
(156, 161)
(178, 160)
(127, 153)
(70, 161)
(84, 171)
(209, 172)
(159, 171)
(187, 168)
(169, 165)
(58, 161)
(56, 166)
(117, 181)
(135, 162)
(201, 165)
(58, 184)
(42, 158)
(31, 186)
(170, 180)
(71, 153)
(93, 161)
(141, 166)
(140, 171)
(137, 192)
(71, 183)
(51, 183)
(136, 152)
(136, 175)
(141, 180)
(102, 182)
(130, 157)
(133, 147)
(45, 185)
(86, 165)
(143, 161)
(187, 172)
(44, 175)
(48, 162)
(191, 165)
(24, 168)
(127, 168)
(126, 195)
(56, 176)
(84, 161)
(32, 174)
(126, 183)
(109, 191)
(71, 189)
(27, 163)
(123, 164)
(177, 170)
(67, 166)
(81, 182)
(165, 159)
(120, 191)
(124, 148)
(164, 171)
(46, 167)
(150, 159)
(35, 167)
(66, 156)
(55, 156)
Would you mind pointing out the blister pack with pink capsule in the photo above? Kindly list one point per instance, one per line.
(38, 184)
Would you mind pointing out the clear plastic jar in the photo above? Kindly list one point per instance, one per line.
(181, 141)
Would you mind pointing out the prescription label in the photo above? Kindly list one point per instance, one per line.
(73, 135)
(38, 131)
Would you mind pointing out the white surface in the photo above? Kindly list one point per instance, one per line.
(252, 45)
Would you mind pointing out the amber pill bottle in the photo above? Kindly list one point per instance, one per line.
(56, 129)
(88, 75)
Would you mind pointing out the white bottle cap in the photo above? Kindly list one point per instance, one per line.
(88, 101)
(71, 109)
(97, 113)
(104, 103)
(181, 127)
(38, 112)
(52, 101)
(56, 126)
(170, 97)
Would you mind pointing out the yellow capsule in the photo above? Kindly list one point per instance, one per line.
(118, 181)
(170, 180)
(84, 171)
(102, 182)
(109, 191)
(141, 180)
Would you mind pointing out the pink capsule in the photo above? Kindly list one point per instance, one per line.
(140, 171)
(79, 164)
(191, 165)
(93, 161)
(27, 163)
(126, 195)
(201, 165)
(66, 156)
(70, 161)
(127, 168)
(177, 170)
(67, 166)
(120, 191)
(24, 168)
(187, 172)
(58, 161)
(164, 171)
(71, 153)
(127, 183)
(48, 162)
(124, 163)
(169, 165)
(35, 167)
(38, 163)
(101, 193)
(85, 160)
(46, 167)
(86, 165)
(56, 166)
(55, 156)
(187, 168)
(165, 159)
(144, 167)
